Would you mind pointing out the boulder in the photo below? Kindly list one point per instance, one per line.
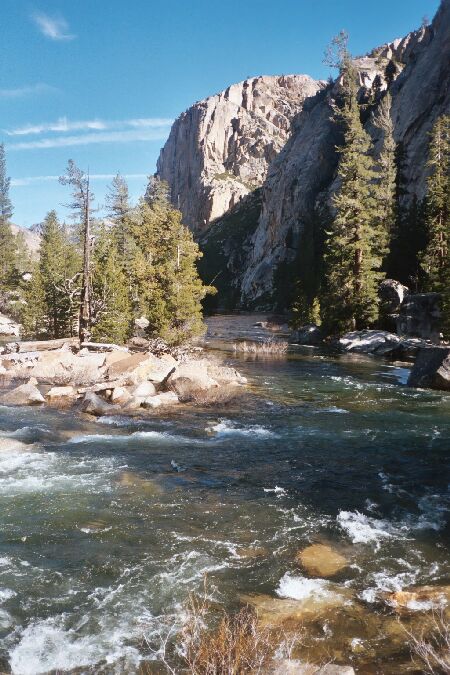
(144, 390)
(192, 375)
(431, 368)
(62, 366)
(392, 293)
(225, 374)
(309, 335)
(420, 316)
(120, 395)
(141, 367)
(94, 405)
(320, 560)
(165, 398)
(62, 392)
(378, 342)
(140, 326)
(114, 357)
(26, 394)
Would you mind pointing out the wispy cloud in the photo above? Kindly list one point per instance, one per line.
(30, 180)
(126, 136)
(94, 138)
(53, 27)
(63, 125)
(27, 90)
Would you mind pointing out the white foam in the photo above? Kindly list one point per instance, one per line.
(46, 646)
(301, 588)
(332, 409)
(115, 420)
(279, 491)
(121, 438)
(228, 428)
(363, 529)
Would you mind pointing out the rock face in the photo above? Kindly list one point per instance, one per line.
(220, 149)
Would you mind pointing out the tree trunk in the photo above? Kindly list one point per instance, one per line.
(85, 307)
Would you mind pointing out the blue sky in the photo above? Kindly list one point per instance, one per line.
(98, 81)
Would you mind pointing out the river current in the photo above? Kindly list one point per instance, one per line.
(107, 525)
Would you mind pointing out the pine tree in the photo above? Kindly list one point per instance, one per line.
(111, 302)
(168, 289)
(52, 296)
(118, 207)
(8, 243)
(385, 185)
(352, 256)
(436, 256)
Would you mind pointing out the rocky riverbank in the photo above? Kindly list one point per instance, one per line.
(108, 379)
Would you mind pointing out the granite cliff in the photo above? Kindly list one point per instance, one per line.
(296, 170)
(219, 150)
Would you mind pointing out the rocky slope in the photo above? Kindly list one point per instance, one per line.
(211, 154)
(32, 239)
(220, 149)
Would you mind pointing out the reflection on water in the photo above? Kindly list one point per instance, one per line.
(106, 526)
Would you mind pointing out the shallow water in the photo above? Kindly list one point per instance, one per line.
(107, 526)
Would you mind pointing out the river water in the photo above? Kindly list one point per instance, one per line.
(107, 525)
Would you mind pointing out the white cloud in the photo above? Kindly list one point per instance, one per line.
(126, 136)
(55, 28)
(64, 125)
(30, 180)
(28, 90)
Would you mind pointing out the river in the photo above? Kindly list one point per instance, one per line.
(107, 525)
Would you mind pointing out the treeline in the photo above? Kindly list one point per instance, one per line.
(95, 277)
(368, 234)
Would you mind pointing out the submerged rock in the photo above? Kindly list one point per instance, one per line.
(320, 560)
(431, 368)
(421, 598)
(293, 613)
(26, 394)
(296, 667)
